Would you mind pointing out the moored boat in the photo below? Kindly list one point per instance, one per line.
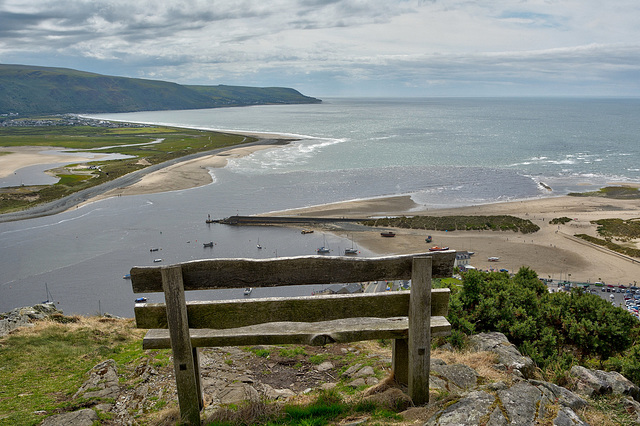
(141, 300)
(436, 248)
(209, 244)
(388, 234)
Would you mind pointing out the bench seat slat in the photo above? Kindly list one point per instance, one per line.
(221, 314)
(317, 333)
(238, 273)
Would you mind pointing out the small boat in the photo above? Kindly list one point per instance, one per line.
(428, 239)
(141, 300)
(307, 231)
(126, 277)
(247, 291)
(352, 250)
(209, 244)
(388, 234)
(154, 249)
(324, 249)
(258, 246)
(157, 260)
(436, 248)
(209, 220)
(493, 259)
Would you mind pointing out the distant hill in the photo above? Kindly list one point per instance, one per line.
(31, 90)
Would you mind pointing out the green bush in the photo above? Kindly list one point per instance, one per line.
(555, 329)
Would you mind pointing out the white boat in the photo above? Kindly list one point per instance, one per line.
(493, 259)
(258, 246)
(247, 291)
(157, 260)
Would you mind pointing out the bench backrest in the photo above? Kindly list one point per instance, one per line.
(241, 273)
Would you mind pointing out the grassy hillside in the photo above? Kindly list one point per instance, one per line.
(30, 90)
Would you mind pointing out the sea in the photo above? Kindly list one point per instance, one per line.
(443, 152)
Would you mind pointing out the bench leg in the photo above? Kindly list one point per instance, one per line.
(184, 365)
(420, 330)
(400, 361)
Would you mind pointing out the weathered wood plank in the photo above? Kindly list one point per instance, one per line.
(301, 333)
(223, 314)
(180, 344)
(239, 273)
(420, 331)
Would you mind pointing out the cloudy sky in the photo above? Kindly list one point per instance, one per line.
(340, 47)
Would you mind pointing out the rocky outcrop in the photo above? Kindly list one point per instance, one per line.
(598, 382)
(235, 377)
(509, 358)
(24, 317)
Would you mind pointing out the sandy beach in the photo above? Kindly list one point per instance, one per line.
(553, 251)
(16, 158)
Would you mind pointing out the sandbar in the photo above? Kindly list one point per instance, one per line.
(19, 157)
(553, 251)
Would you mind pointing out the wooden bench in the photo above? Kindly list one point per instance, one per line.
(410, 318)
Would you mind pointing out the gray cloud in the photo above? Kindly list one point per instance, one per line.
(352, 45)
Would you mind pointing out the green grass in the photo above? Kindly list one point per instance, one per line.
(36, 372)
(458, 223)
(177, 143)
(618, 192)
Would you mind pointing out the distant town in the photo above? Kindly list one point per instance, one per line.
(12, 120)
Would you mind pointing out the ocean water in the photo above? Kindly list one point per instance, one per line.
(442, 152)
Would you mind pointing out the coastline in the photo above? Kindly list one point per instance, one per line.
(552, 251)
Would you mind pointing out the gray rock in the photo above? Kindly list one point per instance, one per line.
(633, 408)
(271, 393)
(85, 417)
(357, 383)
(102, 382)
(620, 385)
(364, 372)
(325, 366)
(508, 355)
(467, 411)
(460, 375)
(237, 393)
(566, 417)
(564, 396)
(521, 403)
(589, 383)
(351, 370)
(22, 317)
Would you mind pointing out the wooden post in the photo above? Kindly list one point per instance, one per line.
(189, 395)
(420, 330)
